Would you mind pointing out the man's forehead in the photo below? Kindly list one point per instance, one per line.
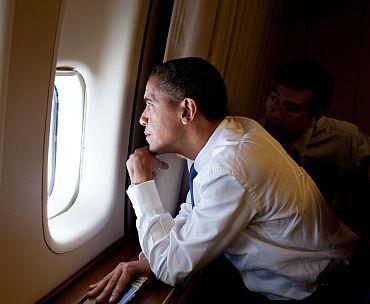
(152, 81)
(292, 94)
(152, 89)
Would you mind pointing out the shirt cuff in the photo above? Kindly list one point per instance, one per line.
(144, 197)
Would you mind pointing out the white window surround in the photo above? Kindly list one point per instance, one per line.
(106, 52)
(71, 89)
(98, 189)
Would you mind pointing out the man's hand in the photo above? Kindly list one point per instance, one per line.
(115, 282)
(142, 165)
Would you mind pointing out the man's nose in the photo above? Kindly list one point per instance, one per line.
(143, 119)
(278, 113)
(277, 109)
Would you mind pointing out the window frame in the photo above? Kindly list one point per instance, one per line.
(68, 71)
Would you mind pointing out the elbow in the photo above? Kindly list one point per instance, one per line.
(165, 279)
(169, 276)
(165, 276)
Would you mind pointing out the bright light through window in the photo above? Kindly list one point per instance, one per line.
(65, 141)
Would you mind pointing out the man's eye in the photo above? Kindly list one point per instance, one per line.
(273, 98)
(291, 108)
(148, 103)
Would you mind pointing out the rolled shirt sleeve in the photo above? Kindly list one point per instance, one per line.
(144, 197)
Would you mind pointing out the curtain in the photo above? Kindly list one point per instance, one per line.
(240, 37)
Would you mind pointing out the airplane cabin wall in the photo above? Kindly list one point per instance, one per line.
(29, 269)
(6, 24)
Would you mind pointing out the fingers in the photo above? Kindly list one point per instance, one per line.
(110, 286)
(157, 163)
(164, 165)
(105, 286)
(142, 165)
(144, 153)
(120, 286)
(113, 284)
(161, 165)
(97, 287)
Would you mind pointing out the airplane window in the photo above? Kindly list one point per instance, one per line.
(52, 142)
(65, 140)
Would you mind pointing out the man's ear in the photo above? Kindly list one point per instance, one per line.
(189, 109)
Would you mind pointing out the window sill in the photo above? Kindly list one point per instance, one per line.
(74, 290)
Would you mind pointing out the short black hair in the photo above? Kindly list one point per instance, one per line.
(305, 74)
(197, 79)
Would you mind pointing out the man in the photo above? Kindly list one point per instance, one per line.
(248, 199)
(334, 152)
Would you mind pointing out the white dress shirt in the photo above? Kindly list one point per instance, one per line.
(252, 203)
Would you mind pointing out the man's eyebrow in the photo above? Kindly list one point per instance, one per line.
(292, 103)
(274, 89)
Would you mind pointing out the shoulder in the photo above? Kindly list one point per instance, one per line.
(245, 149)
(241, 136)
(337, 141)
(336, 126)
(238, 130)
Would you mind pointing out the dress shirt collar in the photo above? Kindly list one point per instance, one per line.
(205, 154)
(301, 143)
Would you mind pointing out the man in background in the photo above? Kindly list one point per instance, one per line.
(333, 152)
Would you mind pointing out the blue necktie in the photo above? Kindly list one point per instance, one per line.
(192, 174)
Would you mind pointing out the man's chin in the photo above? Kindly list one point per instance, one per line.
(151, 146)
(152, 149)
(274, 130)
(181, 156)
(155, 149)
(158, 150)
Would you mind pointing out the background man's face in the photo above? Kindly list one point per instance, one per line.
(286, 112)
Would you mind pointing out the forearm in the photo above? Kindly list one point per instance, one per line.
(154, 226)
(156, 236)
